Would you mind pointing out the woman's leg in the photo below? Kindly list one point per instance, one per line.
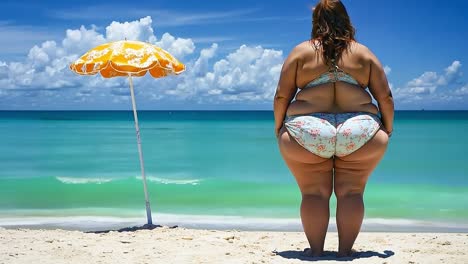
(351, 174)
(314, 178)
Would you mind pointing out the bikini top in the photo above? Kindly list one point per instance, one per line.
(334, 74)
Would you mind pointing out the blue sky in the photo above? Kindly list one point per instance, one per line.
(233, 51)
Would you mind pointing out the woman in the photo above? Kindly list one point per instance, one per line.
(330, 136)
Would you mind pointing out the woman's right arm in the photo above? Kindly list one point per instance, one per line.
(380, 90)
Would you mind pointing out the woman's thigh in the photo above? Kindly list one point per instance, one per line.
(352, 171)
(314, 174)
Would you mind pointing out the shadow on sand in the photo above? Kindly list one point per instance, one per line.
(331, 255)
(130, 229)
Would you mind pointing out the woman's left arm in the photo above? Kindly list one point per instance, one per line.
(286, 89)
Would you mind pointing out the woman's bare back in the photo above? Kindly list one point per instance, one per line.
(332, 97)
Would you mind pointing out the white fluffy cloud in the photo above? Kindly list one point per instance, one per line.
(429, 81)
(46, 65)
(426, 83)
(78, 41)
(387, 69)
(178, 47)
(427, 86)
(462, 91)
(452, 73)
(249, 73)
(135, 30)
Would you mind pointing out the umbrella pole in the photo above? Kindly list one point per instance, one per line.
(142, 164)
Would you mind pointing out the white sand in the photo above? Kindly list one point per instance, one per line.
(180, 245)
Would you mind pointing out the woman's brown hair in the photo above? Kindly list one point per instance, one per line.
(332, 28)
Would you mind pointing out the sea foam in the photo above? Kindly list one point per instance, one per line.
(98, 180)
(221, 222)
(71, 180)
(172, 181)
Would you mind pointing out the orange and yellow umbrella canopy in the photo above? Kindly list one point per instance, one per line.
(129, 58)
(124, 58)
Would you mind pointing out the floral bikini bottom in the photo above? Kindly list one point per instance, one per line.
(328, 134)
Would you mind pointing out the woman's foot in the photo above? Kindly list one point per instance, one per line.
(346, 254)
(309, 253)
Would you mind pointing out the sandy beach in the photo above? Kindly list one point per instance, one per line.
(181, 245)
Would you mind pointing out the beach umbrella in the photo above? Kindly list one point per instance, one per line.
(128, 59)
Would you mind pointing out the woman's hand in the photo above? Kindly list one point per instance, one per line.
(277, 131)
(389, 133)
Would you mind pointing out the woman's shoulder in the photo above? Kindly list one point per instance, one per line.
(297, 53)
(362, 50)
(306, 45)
(304, 48)
(310, 48)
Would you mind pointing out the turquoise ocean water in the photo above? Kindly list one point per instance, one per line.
(219, 167)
